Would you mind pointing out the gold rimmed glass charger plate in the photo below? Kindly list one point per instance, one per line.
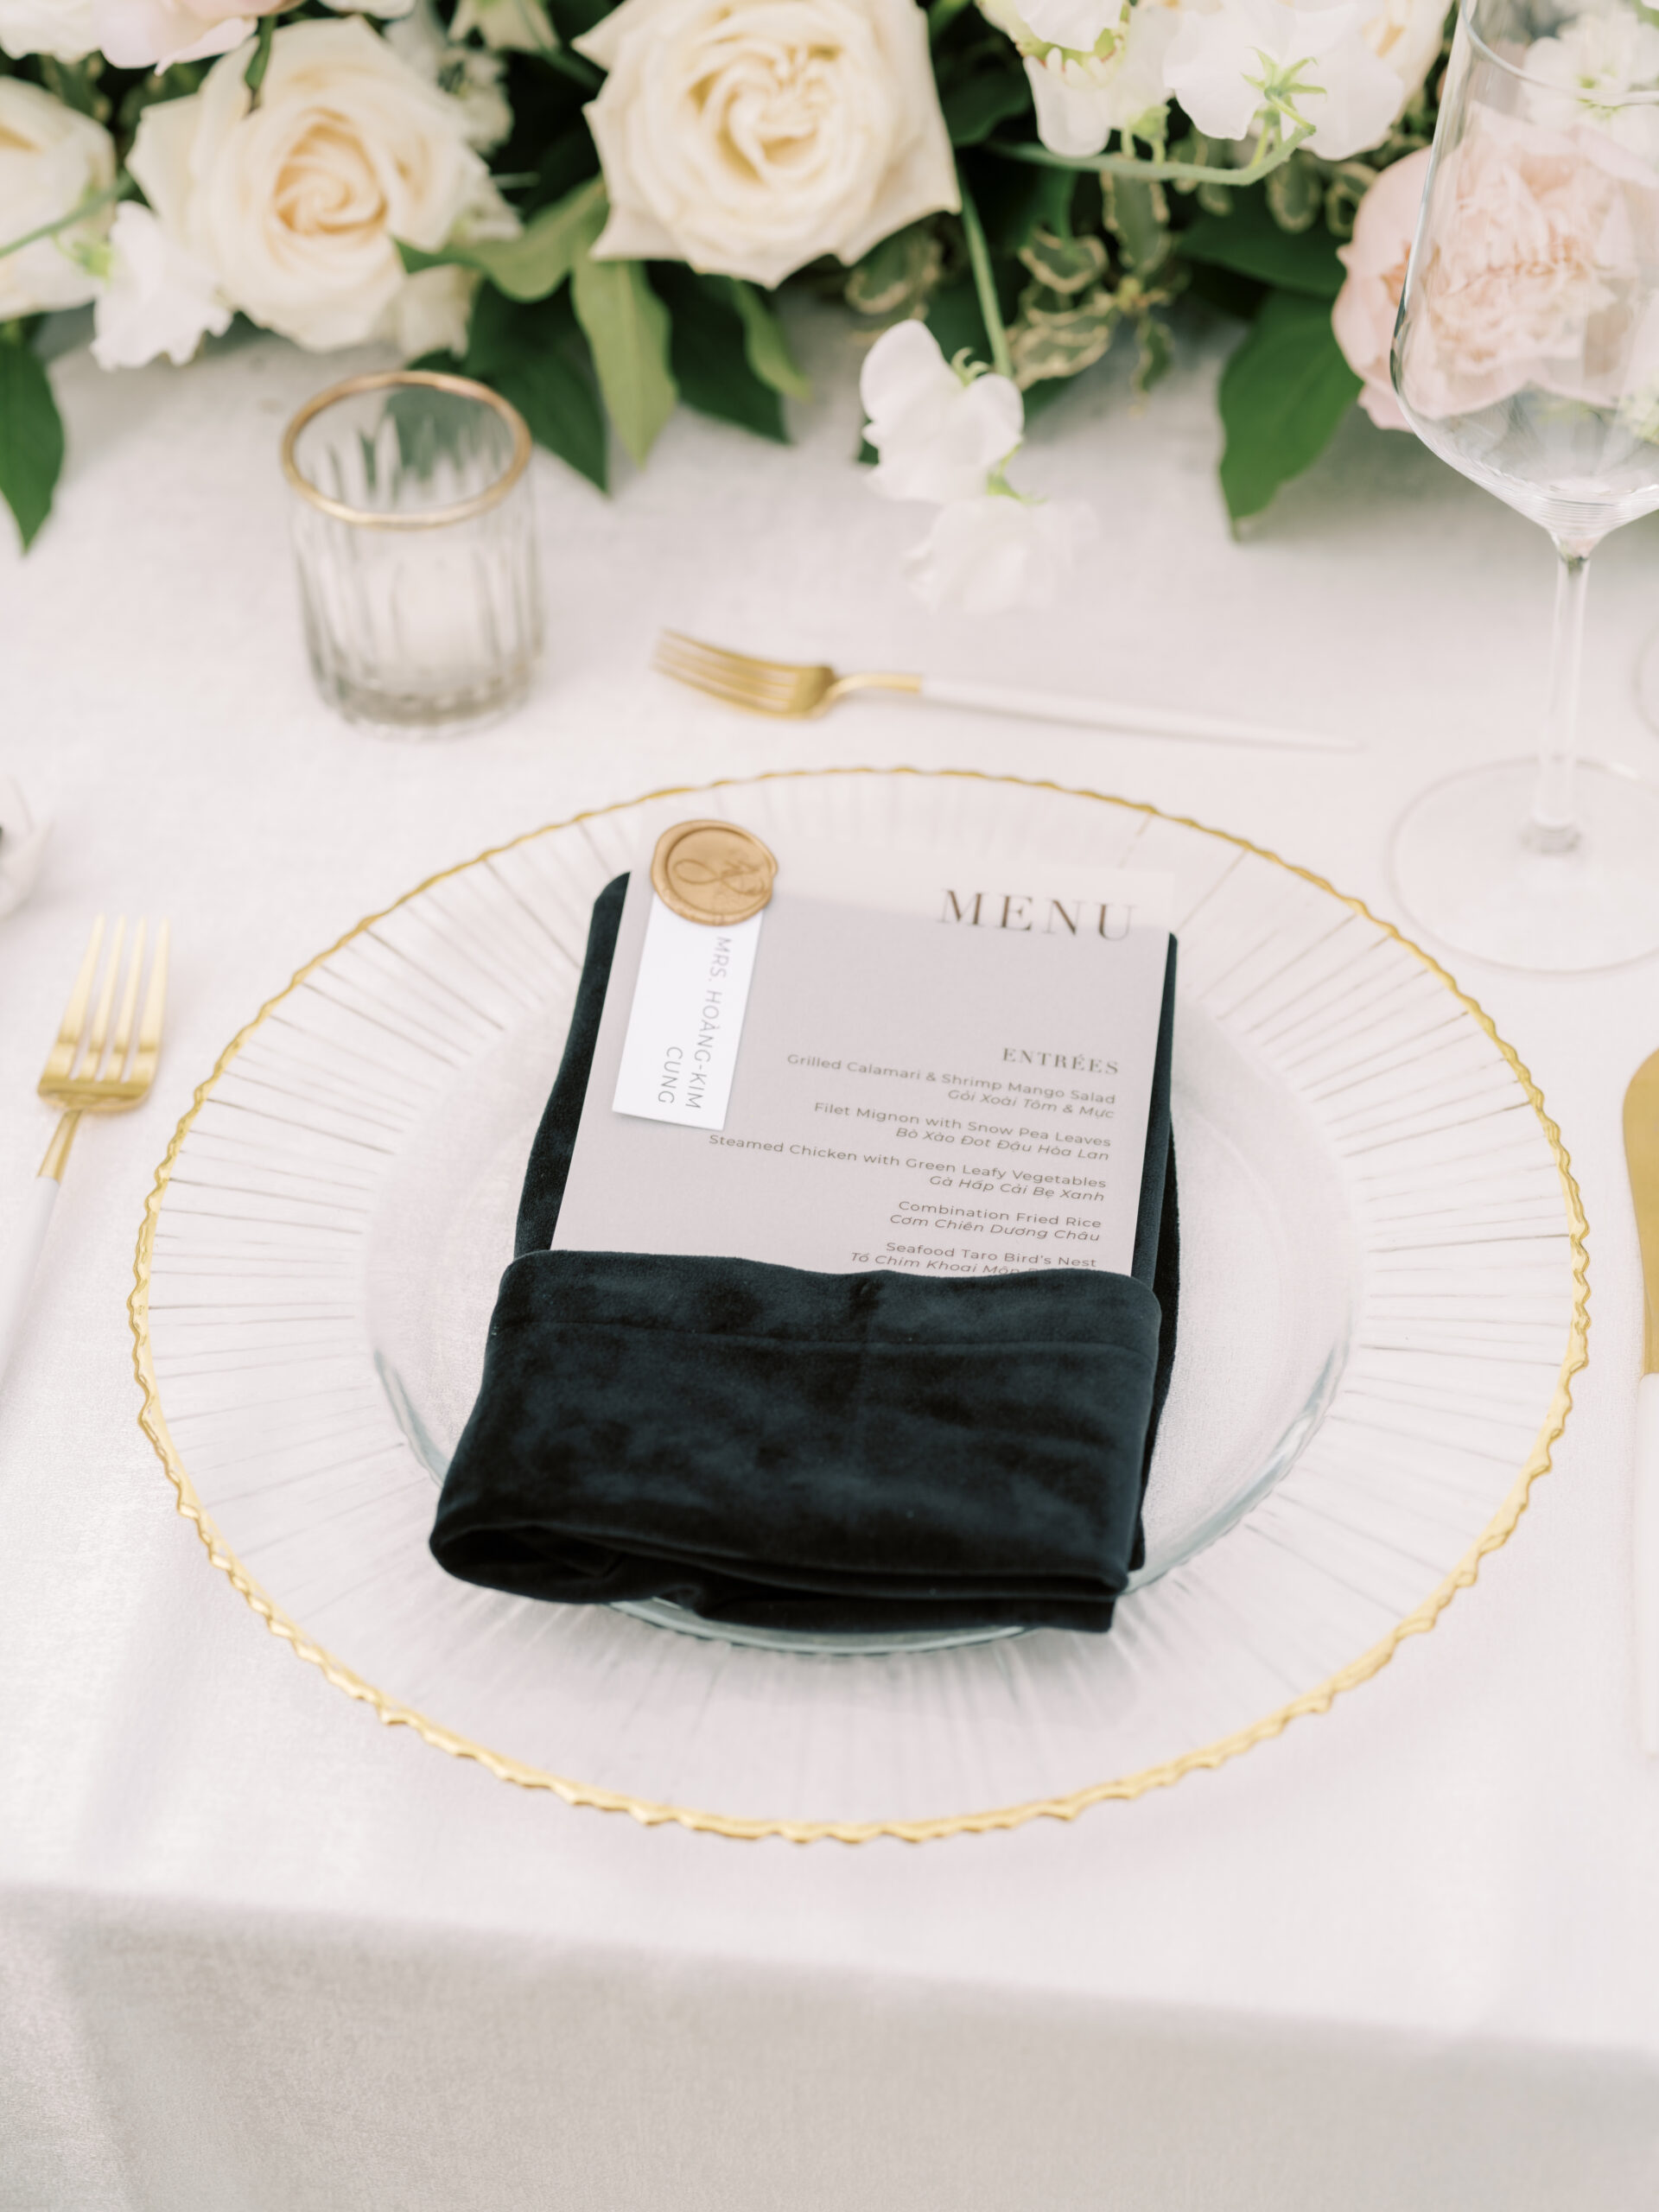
(1383, 1303)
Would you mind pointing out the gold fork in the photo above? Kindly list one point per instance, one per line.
(91, 1068)
(800, 690)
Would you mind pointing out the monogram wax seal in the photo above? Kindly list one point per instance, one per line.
(712, 872)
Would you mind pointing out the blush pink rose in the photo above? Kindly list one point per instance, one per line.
(1534, 241)
(1362, 317)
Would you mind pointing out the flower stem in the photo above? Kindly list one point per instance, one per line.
(78, 214)
(1266, 159)
(984, 281)
(575, 66)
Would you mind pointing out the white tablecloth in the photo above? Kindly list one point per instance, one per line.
(257, 1952)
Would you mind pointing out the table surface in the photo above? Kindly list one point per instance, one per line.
(256, 1949)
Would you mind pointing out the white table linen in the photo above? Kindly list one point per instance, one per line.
(255, 1951)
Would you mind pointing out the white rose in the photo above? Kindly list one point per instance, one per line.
(51, 158)
(296, 204)
(1074, 23)
(155, 33)
(939, 434)
(23, 848)
(62, 28)
(987, 555)
(1222, 57)
(158, 298)
(749, 137)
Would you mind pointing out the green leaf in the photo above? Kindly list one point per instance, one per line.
(707, 353)
(1249, 242)
(627, 326)
(1282, 395)
(980, 87)
(536, 357)
(764, 342)
(539, 259)
(31, 433)
(1017, 199)
(1138, 216)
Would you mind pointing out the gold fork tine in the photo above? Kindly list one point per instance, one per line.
(149, 1028)
(92, 1058)
(62, 1058)
(122, 1039)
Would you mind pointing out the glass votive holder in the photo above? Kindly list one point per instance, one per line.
(415, 542)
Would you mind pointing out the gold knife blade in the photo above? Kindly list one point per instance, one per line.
(1641, 1158)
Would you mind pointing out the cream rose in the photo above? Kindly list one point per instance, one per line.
(155, 33)
(296, 204)
(749, 137)
(62, 28)
(51, 158)
(1364, 316)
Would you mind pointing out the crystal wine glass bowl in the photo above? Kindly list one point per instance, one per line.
(1526, 354)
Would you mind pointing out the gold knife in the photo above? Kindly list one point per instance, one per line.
(1641, 1158)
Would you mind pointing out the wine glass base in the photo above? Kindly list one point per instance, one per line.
(1467, 871)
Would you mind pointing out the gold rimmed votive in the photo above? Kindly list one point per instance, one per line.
(415, 536)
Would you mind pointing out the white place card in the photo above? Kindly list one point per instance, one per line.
(927, 1062)
(686, 1019)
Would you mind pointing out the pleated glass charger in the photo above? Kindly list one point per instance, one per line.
(1382, 1303)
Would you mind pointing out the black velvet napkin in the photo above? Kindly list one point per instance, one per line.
(773, 1447)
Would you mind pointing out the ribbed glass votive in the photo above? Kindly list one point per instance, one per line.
(415, 536)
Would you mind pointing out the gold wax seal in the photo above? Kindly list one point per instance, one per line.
(712, 872)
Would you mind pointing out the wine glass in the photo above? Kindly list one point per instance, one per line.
(1526, 353)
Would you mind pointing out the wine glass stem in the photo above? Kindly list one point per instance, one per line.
(1554, 828)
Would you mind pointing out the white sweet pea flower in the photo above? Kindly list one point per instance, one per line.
(62, 28)
(939, 433)
(1079, 24)
(1229, 63)
(22, 847)
(1083, 98)
(158, 297)
(986, 555)
(52, 160)
(1407, 34)
(1592, 65)
(516, 26)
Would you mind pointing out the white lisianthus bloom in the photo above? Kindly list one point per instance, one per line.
(986, 555)
(1079, 24)
(472, 76)
(1224, 62)
(157, 298)
(1083, 98)
(296, 205)
(62, 28)
(939, 433)
(51, 158)
(509, 26)
(749, 137)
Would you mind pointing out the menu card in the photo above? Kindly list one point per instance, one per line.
(934, 1063)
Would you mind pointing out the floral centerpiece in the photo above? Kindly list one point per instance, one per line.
(592, 208)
